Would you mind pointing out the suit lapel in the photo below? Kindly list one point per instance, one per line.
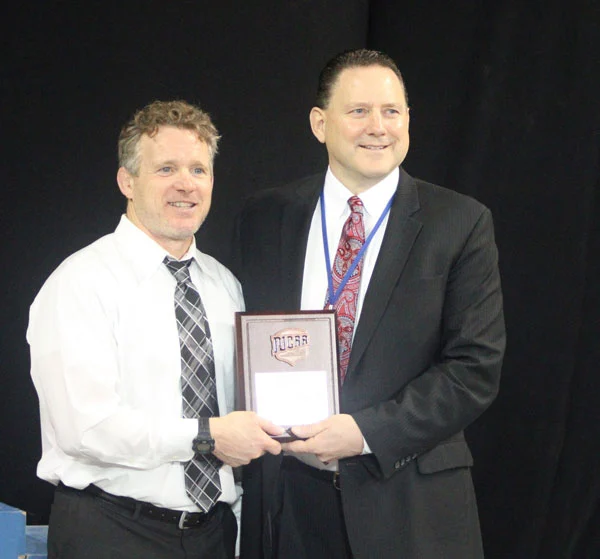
(400, 235)
(296, 218)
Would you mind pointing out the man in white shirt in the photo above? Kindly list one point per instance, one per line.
(421, 336)
(107, 363)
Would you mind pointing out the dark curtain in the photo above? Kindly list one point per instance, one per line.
(504, 107)
(505, 98)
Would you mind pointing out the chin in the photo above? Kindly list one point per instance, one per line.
(378, 174)
(186, 229)
(378, 168)
(180, 234)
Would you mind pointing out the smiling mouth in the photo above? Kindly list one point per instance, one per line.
(182, 204)
(374, 148)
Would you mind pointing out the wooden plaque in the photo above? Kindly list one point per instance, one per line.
(288, 366)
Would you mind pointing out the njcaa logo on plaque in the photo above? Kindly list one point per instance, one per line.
(290, 345)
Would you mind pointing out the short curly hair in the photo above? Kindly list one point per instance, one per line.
(149, 119)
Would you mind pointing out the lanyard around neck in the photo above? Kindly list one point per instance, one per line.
(333, 296)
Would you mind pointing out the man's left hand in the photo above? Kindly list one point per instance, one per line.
(336, 437)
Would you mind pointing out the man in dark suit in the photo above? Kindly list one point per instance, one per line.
(421, 345)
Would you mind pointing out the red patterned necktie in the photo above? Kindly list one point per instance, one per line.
(351, 241)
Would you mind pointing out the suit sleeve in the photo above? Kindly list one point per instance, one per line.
(463, 378)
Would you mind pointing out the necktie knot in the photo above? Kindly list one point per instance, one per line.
(179, 268)
(356, 205)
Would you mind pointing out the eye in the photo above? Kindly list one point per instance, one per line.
(392, 112)
(166, 170)
(359, 111)
(198, 171)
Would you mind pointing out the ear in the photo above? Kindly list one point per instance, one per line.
(317, 123)
(125, 182)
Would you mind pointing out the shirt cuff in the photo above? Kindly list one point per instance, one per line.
(366, 448)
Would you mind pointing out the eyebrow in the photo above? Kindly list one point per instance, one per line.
(368, 104)
(176, 163)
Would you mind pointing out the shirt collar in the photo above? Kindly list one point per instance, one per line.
(143, 253)
(374, 199)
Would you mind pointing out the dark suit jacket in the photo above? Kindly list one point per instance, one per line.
(425, 363)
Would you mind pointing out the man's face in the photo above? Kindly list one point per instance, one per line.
(365, 126)
(170, 196)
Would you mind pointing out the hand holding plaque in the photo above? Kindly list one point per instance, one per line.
(287, 367)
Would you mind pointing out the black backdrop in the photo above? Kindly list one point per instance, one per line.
(504, 107)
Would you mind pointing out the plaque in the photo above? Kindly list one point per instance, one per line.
(288, 367)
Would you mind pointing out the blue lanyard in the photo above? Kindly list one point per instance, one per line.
(332, 300)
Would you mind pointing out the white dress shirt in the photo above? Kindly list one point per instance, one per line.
(105, 362)
(337, 210)
(336, 195)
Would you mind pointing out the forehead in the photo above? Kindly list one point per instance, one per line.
(368, 84)
(173, 143)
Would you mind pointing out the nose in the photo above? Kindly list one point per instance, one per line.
(375, 123)
(184, 180)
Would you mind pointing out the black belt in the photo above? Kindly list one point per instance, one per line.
(183, 519)
(294, 465)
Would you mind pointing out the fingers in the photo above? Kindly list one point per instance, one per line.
(311, 446)
(308, 431)
(269, 427)
(334, 438)
(309, 441)
(242, 436)
(272, 447)
(296, 446)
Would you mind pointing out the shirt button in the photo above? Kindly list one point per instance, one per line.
(397, 465)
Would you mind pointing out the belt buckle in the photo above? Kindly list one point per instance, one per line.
(182, 518)
(336, 480)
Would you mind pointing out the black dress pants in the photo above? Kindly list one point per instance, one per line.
(83, 526)
(310, 521)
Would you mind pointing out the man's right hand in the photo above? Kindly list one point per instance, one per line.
(241, 436)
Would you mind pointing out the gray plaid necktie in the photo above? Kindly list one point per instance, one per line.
(198, 389)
